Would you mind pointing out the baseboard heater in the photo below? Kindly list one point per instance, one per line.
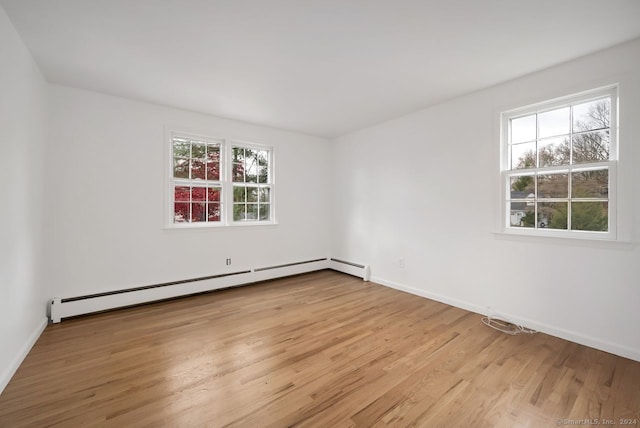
(61, 308)
(355, 269)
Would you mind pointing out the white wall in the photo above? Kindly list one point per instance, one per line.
(425, 187)
(105, 208)
(22, 121)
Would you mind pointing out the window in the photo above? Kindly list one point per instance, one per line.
(251, 184)
(219, 182)
(559, 167)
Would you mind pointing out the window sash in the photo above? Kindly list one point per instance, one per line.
(268, 184)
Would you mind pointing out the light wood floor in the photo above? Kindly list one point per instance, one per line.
(323, 350)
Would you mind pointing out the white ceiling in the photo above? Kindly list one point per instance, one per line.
(323, 67)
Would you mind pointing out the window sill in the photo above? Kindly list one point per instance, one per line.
(190, 226)
(565, 240)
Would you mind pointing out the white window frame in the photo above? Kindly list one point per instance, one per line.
(611, 165)
(226, 183)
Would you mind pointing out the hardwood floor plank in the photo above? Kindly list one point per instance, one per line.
(321, 349)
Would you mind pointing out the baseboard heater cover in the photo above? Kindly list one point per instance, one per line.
(351, 268)
(80, 305)
(287, 265)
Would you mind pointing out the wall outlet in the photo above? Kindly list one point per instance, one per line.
(228, 262)
(401, 262)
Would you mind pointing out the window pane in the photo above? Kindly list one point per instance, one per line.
(198, 212)
(264, 212)
(553, 122)
(523, 156)
(251, 168)
(237, 154)
(553, 151)
(522, 214)
(197, 169)
(263, 174)
(198, 194)
(213, 163)
(252, 194)
(592, 216)
(592, 115)
(591, 147)
(237, 173)
(553, 185)
(250, 155)
(198, 151)
(181, 212)
(590, 184)
(263, 158)
(523, 129)
(213, 194)
(181, 168)
(552, 215)
(252, 211)
(239, 212)
(181, 148)
(239, 194)
(265, 194)
(213, 212)
(251, 175)
(181, 193)
(522, 187)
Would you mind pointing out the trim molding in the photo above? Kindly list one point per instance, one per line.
(8, 373)
(572, 336)
(429, 295)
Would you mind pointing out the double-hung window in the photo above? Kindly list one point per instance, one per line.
(217, 182)
(251, 183)
(559, 163)
(197, 185)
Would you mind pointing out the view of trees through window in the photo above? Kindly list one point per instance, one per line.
(559, 167)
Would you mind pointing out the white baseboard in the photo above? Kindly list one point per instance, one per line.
(572, 336)
(8, 372)
(433, 296)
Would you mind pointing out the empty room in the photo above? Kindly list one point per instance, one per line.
(336, 213)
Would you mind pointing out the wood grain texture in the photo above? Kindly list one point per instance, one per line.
(322, 349)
